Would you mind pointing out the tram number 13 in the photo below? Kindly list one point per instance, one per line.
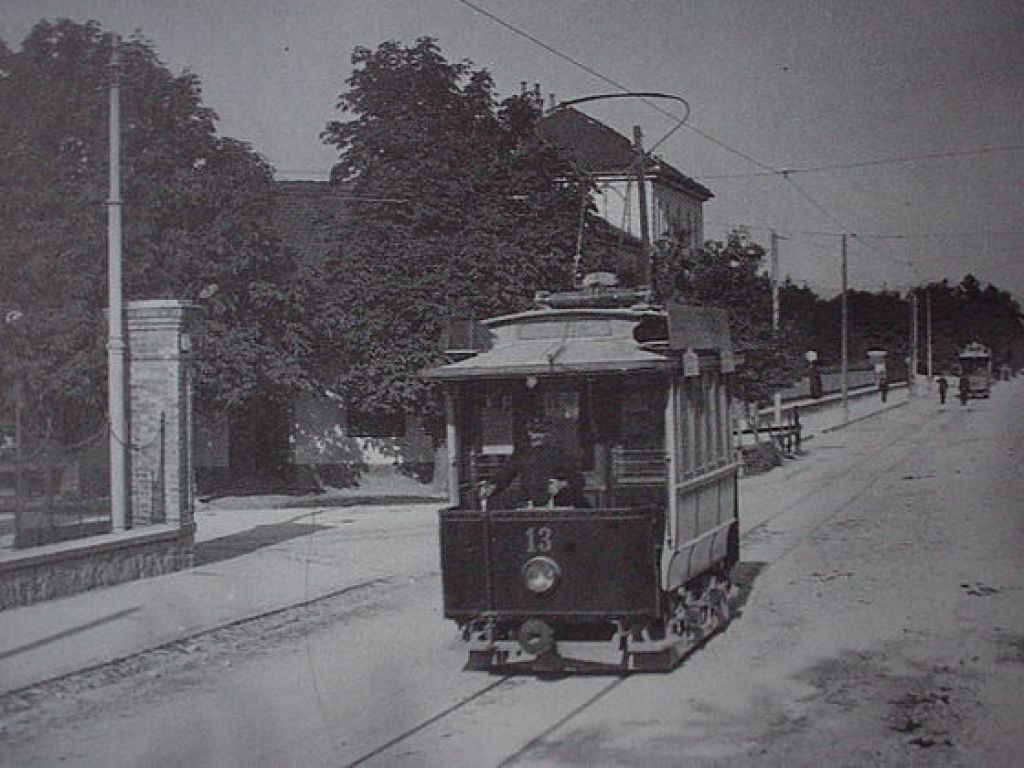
(538, 539)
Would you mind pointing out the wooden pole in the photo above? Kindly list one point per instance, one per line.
(777, 398)
(912, 378)
(119, 437)
(844, 352)
(928, 316)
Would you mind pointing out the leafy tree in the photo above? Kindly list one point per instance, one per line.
(196, 222)
(967, 313)
(475, 224)
(730, 274)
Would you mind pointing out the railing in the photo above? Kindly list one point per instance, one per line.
(830, 382)
(55, 493)
(58, 493)
(636, 466)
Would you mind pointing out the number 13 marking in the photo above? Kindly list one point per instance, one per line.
(538, 539)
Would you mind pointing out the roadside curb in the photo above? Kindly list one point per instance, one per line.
(864, 416)
(195, 633)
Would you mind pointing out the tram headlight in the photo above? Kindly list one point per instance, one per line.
(540, 575)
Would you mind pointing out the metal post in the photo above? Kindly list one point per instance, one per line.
(928, 314)
(777, 398)
(19, 403)
(452, 444)
(115, 315)
(844, 384)
(671, 449)
(641, 189)
(912, 374)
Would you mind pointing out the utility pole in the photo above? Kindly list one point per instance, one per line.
(844, 343)
(912, 375)
(647, 270)
(777, 399)
(928, 320)
(115, 313)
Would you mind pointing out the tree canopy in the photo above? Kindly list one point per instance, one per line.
(196, 216)
(960, 314)
(730, 274)
(464, 216)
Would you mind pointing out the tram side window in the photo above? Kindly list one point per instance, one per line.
(700, 424)
(497, 426)
(714, 442)
(642, 426)
(699, 415)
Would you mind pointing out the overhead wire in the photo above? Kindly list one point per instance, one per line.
(868, 163)
(604, 78)
(767, 170)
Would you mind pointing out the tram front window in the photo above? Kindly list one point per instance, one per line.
(560, 442)
(540, 472)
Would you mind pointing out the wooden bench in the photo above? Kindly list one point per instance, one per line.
(786, 435)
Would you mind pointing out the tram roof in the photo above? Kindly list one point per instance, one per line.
(580, 340)
(553, 358)
(569, 313)
(574, 345)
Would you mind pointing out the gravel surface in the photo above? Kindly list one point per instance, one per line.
(879, 621)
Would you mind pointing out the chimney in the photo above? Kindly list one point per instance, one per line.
(522, 88)
(551, 101)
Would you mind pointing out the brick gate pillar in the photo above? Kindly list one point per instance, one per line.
(161, 336)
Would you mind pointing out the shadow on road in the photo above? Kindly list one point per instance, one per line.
(374, 500)
(743, 576)
(244, 542)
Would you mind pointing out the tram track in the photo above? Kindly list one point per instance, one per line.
(869, 459)
(916, 439)
(910, 442)
(410, 732)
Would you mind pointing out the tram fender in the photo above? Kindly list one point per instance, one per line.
(694, 557)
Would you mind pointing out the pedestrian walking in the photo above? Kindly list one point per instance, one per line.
(815, 382)
(883, 387)
(943, 387)
(965, 388)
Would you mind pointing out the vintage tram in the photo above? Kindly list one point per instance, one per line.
(632, 570)
(975, 361)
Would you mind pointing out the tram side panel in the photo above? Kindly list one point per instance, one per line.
(703, 528)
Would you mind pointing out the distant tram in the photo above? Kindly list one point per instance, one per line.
(975, 362)
(623, 562)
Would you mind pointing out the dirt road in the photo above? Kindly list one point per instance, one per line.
(880, 622)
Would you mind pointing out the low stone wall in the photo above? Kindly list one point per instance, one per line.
(57, 570)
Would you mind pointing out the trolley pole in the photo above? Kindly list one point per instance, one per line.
(844, 344)
(115, 313)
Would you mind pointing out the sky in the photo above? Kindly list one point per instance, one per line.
(921, 101)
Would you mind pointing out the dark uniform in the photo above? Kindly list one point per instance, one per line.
(535, 467)
(943, 386)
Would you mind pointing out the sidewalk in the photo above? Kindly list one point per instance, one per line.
(251, 560)
(818, 418)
